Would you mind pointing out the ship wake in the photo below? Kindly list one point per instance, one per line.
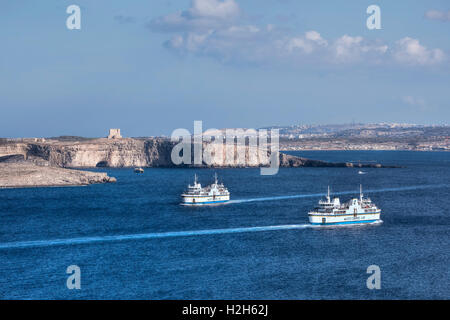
(144, 236)
(315, 195)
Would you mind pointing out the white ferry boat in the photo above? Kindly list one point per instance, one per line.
(355, 211)
(212, 194)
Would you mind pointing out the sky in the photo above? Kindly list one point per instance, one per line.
(149, 67)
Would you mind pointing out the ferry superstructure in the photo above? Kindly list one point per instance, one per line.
(215, 193)
(356, 211)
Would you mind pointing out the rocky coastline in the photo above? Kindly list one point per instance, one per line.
(28, 174)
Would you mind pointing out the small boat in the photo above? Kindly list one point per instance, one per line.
(361, 172)
(213, 194)
(356, 211)
(138, 170)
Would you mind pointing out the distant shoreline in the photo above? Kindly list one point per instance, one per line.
(290, 150)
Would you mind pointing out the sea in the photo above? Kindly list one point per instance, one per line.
(133, 240)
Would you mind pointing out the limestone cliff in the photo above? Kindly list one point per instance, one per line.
(103, 153)
(149, 152)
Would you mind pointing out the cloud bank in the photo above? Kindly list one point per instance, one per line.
(218, 29)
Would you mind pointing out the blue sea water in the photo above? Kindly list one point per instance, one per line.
(132, 239)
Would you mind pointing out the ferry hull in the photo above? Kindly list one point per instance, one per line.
(343, 219)
(205, 200)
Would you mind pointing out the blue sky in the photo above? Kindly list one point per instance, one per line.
(149, 67)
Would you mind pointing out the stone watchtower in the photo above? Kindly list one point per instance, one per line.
(114, 134)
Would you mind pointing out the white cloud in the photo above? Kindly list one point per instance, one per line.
(192, 42)
(348, 48)
(410, 51)
(310, 42)
(202, 15)
(437, 15)
(316, 37)
(419, 103)
(214, 9)
(176, 42)
(299, 43)
(247, 31)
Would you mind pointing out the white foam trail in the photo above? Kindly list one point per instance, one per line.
(314, 195)
(86, 240)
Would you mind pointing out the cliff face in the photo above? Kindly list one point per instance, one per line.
(151, 152)
(7, 149)
(104, 153)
